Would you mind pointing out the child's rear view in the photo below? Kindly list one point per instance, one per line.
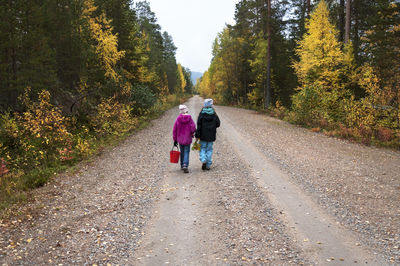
(182, 133)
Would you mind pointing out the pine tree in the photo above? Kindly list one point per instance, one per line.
(258, 66)
(169, 66)
(155, 45)
(26, 59)
(268, 89)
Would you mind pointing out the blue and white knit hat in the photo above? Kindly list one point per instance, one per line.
(208, 102)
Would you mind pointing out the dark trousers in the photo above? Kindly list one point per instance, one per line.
(185, 150)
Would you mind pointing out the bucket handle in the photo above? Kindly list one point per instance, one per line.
(173, 146)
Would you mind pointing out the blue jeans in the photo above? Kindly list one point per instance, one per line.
(185, 149)
(206, 151)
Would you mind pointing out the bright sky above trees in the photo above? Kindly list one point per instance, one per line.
(193, 26)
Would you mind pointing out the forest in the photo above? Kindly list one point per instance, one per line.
(331, 65)
(73, 74)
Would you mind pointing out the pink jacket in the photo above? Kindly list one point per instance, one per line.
(184, 129)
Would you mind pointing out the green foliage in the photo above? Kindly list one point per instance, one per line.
(237, 74)
(258, 65)
(256, 97)
(305, 104)
(36, 178)
(142, 98)
(222, 78)
(381, 41)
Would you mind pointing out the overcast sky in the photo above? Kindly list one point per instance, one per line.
(193, 25)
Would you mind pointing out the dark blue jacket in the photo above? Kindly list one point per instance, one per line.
(207, 124)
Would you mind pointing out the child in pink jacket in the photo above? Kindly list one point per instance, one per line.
(182, 133)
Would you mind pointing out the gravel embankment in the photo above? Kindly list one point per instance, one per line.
(358, 185)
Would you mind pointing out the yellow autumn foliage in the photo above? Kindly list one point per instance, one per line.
(321, 69)
(319, 52)
(113, 118)
(41, 132)
(106, 41)
(372, 111)
(182, 79)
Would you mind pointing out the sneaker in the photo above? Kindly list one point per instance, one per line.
(203, 167)
(185, 170)
(208, 168)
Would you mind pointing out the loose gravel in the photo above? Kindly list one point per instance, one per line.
(249, 226)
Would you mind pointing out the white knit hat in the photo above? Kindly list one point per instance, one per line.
(183, 109)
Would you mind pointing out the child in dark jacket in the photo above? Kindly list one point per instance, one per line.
(182, 133)
(207, 124)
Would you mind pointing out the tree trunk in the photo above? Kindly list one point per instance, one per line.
(356, 36)
(308, 7)
(268, 85)
(259, 15)
(348, 21)
(341, 21)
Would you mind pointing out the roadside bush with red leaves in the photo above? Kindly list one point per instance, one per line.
(384, 134)
(345, 132)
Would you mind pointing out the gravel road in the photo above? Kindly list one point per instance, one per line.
(130, 206)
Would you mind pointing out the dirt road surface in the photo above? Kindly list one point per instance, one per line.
(276, 195)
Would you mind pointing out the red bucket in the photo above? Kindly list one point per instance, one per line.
(174, 156)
